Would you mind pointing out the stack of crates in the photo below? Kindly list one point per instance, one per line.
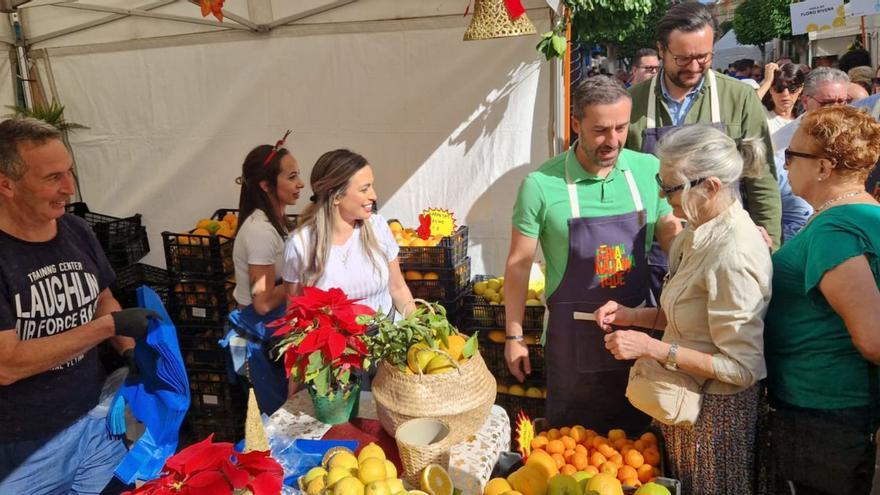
(439, 273)
(200, 298)
(489, 319)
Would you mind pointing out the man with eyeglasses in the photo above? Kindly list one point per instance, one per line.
(645, 66)
(687, 91)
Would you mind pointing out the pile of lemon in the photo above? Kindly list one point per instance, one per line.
(370, 473)
(492, 290)
(422, 359)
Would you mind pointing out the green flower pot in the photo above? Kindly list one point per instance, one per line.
(337, 407)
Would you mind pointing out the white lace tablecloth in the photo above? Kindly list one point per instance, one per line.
(470, 462)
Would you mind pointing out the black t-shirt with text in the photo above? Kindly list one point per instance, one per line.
(47, 288)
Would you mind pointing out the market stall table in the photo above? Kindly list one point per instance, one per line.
(470, 462)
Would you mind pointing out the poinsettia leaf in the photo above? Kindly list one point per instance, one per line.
(207, 483)
(259, 461)
(265, 484)
(335, 345)
(322, 381)
(238, 477)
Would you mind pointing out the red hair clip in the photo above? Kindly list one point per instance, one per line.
(278, 145)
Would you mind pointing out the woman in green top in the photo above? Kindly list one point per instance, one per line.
(821, 334)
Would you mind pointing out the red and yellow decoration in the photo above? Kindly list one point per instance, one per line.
(212, 7)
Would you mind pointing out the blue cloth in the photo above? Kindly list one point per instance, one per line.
(158, 395)
(868, 102)
(78, 460)
(679, 110)
(266, 374)
(795, 210)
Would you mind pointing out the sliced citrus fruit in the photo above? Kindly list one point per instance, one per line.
(436, 481)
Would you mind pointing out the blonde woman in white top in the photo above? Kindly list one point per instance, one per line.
(340, 242)
(713, 305)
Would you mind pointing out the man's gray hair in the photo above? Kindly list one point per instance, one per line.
(596, 90)
(14, 131)
(823, 75)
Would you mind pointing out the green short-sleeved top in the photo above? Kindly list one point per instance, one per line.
(542, 209)
(811, 360)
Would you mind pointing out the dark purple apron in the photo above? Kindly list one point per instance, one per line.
(606, 261)
(657, 261)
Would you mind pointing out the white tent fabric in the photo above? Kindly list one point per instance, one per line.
(445, 123)
(7, 91)
(729, 50)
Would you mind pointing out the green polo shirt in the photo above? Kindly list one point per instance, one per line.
(542, 209)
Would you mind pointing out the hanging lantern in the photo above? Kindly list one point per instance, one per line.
(498, 19)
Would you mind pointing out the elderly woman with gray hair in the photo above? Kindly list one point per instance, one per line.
(711, 313)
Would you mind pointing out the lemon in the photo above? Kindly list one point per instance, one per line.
(315, 472)
(346, 460)
(315, 486)
(497, 486)
(436, 481)
(416, 492)
(490, 294)
(480, 287)
(494, 284)
(348, 486)
(439, 364)
(336, 474)
(501, 388)
(418, 356)
(391, 472)
(377, 488)
(372, 469)
(534, 392)
(456, 346)
(517, 390)
(371, 450)
(431, 276)
(395, 485)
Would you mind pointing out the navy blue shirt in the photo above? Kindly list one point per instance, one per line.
(47, 288)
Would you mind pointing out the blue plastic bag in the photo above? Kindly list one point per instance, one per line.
(158, 395)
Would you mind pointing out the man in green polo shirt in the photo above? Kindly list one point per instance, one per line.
(595, 211)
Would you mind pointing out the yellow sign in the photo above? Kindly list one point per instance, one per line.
(442, 221)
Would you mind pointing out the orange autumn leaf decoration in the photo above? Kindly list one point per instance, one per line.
(212, 7)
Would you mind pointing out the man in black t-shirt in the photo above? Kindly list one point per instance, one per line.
(55, 307)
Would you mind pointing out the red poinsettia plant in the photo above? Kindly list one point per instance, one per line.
(322, 339)
(209, 468)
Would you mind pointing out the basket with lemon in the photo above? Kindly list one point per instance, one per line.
(427, 369)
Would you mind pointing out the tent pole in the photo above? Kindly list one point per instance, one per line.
(152, 15)
(309, 13)
(95, 23)
(21, 56)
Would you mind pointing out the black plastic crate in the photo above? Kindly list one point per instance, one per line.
(513, 404)
(483, 313)
(212, 394)
(493, 354)
(200, 301)
(110, 231)
(200, 347)
(208, 256)
(446, 284)
(129, 278)
(130, 251)
(447, 254)
(197, 427)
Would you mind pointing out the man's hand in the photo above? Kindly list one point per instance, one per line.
(516, 353)
(133, 322)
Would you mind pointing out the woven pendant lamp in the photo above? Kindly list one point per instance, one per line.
(492, 20)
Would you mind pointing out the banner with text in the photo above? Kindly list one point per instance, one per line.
(816, 15)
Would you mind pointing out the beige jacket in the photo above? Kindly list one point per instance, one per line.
(716, 296)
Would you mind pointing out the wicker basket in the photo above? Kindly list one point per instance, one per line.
(420, 442)
(461, 398)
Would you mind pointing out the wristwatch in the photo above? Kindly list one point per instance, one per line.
(671, 364)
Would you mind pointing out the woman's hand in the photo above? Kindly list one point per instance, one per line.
(516, 353)
(629, 344)
(613, 313)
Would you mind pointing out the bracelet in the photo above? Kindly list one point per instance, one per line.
(513, 337)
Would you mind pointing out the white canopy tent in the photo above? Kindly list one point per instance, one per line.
(173, 103)
(728, 50)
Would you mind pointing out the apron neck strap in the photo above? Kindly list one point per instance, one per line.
(572, 187)
(714, 105)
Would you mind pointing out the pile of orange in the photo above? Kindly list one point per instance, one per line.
(574, 449)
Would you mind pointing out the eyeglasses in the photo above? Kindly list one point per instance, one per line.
(838, 101)
(685, 60)
(792, 88)
(789, 154)
(667, 190)
(648, 68)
